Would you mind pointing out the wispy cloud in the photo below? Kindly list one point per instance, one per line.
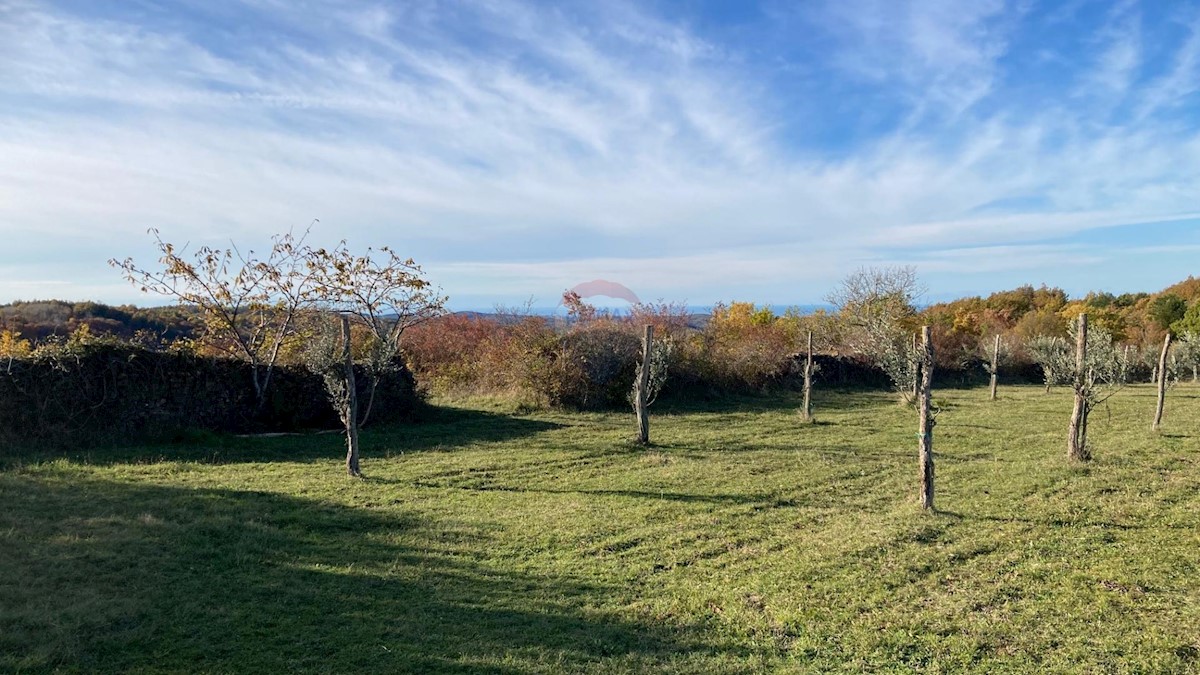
(517, 147)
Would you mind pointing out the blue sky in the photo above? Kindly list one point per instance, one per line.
(694, 151)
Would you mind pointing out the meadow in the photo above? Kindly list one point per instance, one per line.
(491, 541)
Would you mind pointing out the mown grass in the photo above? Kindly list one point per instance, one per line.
(743, 541)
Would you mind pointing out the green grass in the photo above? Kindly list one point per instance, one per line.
(743, 541)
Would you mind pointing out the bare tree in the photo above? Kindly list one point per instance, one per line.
(878, 305)
(249, 304)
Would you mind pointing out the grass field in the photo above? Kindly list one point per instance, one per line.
(743, 541)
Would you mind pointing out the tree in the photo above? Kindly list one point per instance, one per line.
(382, 297)
(810, 369)
(333, 360)
(651, 376)
(878, 304)
(1053, 354)
(1166, 309)
(992, 366)
(1099, 372)
(926, 415)
(1188, 353)
(384, 294)
(1190, 322)
(248, 304)
(13, 346)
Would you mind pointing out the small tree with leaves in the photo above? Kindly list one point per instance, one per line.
(651, 376)
(1054, 356)
(1099, 372)
(1187, 354)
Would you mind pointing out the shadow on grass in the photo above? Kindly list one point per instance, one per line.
(439, 429)
(115, 577)
(779, 401)
(764, 499)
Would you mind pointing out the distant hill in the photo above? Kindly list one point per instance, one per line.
(38, 320)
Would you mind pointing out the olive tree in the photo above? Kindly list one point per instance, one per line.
(1054, 356)
(1187, 353)
(1099, 372)
(878, 307)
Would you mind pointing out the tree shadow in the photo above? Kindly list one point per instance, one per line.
(115, 577)
(763, 499)
(440, 429)
(840, 399)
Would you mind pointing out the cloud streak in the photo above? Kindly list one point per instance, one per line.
(521, 149)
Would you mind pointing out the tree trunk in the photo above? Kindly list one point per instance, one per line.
(925, 419)
(1162, 383)
(643, 386)
(351, 412)
(1077, 430)
(995, 363)
(808, 373)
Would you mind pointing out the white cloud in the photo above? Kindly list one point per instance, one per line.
(391, 127)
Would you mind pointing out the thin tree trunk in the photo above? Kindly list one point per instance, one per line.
(1162, 382)
(808, 375)
(995, 363)
(1077, 430)
(925, 420)
(351, 417)
(643, 386)
(1195, 374)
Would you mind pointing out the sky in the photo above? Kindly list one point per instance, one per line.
(693, 151)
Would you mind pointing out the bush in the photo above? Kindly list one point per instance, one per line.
(107, 393)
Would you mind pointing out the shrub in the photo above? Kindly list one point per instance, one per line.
(100, 392)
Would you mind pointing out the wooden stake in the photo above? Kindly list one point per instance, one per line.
(1162, 382)
(925, 420)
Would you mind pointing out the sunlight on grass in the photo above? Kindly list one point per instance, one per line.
(741, 541)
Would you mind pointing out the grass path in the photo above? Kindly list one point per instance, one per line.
(743, 541)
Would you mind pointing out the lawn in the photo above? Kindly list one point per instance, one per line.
(743, 541)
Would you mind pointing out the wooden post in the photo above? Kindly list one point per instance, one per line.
(351, 419)
(995, 363)
(808, 373)
(925, 420)
(643, 386)
(1162, 382)
(1077, 430)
